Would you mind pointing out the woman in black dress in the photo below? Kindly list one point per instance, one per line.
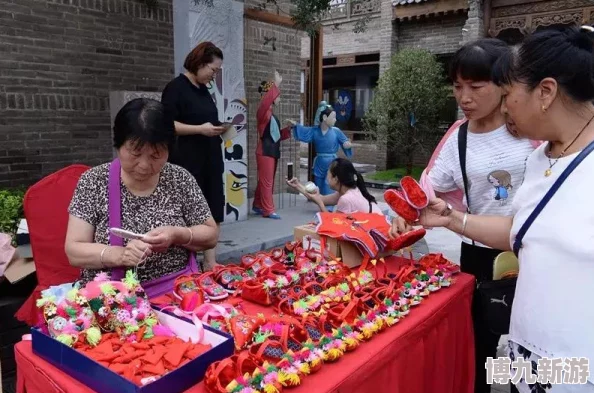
(198, 128)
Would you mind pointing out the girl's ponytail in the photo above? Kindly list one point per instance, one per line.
(363, 188)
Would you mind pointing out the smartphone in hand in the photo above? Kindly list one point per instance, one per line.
(290, 170)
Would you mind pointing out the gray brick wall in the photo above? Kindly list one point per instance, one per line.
(388, 34)
(344, 40)
(260, 63)
(58, 61)
(438, 35)
(474, 28)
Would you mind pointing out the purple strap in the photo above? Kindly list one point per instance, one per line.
(115, 210)
(158, 286)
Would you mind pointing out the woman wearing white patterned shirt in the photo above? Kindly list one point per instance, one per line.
(494, 166)
(548, 93)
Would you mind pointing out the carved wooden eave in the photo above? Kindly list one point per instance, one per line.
(428, 9)
(528, 17)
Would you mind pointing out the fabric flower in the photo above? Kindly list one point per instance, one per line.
(65, 339)
(123, 315)
(50, 310)
(131, 281)
(101, 277)
(103, 312)
(59, 323)
(93, 336)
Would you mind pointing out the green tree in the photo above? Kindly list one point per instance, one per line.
(404, 113)
(11, 211)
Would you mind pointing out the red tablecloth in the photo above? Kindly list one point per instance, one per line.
(430, 351)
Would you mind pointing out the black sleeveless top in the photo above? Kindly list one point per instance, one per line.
(270, 148)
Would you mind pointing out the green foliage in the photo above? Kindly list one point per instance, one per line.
(413, 84)
(11, 210)
(395, 174)
(308, 14)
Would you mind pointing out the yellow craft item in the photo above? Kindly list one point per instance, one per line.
(304, 368)
(270, 388)
(506, 265)
(288, 379)
(231, 386)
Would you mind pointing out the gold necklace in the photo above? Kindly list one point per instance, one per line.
(549, 171)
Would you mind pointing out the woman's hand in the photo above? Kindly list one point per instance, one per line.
(294, 183)
(399, 227)
(315, 197)
(277, 78)
(209, 268)
(207, 129)
(347, 144)
(134, 252)
(433, 215)
(161, 238)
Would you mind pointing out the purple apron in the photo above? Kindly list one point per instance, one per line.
(154, 288)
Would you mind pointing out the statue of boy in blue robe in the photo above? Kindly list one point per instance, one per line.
(326, 139)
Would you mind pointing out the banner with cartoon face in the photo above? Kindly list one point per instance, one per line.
(343, 106)
(223, 26)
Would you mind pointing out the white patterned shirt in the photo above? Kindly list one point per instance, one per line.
(495, 165)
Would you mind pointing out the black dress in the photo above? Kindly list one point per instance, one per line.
(270, 148)
(201, 155)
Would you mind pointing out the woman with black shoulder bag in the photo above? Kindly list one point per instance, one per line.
(478, 167)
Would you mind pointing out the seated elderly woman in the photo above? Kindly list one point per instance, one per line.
(154, 198)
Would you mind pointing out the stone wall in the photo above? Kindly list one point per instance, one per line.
(260, 62)
(57, 66)
(474, 28)
(343, 40)
(388, 34)
(438, 35)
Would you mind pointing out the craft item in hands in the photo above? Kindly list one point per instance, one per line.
(410, 201)
(124, 234)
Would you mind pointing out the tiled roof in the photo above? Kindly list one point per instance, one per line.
(406, 2)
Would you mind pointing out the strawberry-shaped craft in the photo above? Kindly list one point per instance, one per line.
(414, 194)
(406, 239)
(400, 205)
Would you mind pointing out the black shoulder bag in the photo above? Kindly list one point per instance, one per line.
(497, 296)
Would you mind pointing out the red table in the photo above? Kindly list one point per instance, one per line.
(429, 351)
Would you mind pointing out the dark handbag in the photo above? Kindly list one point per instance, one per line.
(494, 296)
(497, 296)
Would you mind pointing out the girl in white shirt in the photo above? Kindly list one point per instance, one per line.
(548, 93)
